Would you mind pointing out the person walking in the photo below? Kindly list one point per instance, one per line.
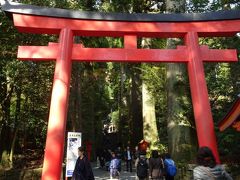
(141, 165)
(119, 155)
(83, 169)
(114, 167)
(136, 153)
(100, 157)
(156, 166)
(128, 157)
(207, 168)
(170, 167)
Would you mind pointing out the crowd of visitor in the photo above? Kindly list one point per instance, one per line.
(157, 167)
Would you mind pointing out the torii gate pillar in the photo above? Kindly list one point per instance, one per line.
(58, 108)
(201, 106)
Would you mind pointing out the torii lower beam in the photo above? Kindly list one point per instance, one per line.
(46, 53)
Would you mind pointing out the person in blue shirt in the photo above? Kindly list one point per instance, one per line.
(170, 167)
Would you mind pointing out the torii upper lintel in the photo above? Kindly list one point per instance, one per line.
(33, 19)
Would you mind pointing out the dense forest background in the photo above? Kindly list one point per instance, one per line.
(141, 101)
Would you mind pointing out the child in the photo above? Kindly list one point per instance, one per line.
(114, 166)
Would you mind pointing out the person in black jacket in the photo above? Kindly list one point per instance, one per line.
(128, 156)
(83, 169)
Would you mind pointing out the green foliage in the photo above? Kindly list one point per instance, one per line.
(224, 5)
(213, 5)
(223, 88)
(198, 6)
(115, 117)
(26, 87)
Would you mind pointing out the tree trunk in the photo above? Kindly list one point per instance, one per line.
(136, 106)
(88, 116)
(120, 106)
(6, 129)
(13, 147)
(17, 115)
(181, 136)
(150, 131)
(75, 109)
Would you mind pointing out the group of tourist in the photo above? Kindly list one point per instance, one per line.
(156, 167)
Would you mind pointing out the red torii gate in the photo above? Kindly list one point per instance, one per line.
(67, 24)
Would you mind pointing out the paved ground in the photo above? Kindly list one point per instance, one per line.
(103, 174)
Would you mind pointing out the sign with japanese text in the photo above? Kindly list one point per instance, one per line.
(74, 141)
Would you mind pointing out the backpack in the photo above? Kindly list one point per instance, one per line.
(171, 168)
(142, 168)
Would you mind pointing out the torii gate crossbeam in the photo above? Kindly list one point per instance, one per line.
(67, 24)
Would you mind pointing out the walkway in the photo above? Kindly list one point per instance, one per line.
(103, 174)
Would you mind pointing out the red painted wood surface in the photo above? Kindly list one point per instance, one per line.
(179, 55)
(49, 25)
(54, 149)
(232, 118)
(199, 93)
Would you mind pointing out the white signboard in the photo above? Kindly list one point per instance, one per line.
(73, 142)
